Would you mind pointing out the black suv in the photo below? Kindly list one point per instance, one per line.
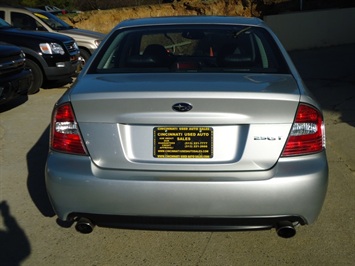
(50, 56)
(15, 80)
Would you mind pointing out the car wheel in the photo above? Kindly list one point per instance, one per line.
(85, 55)
(37, 76)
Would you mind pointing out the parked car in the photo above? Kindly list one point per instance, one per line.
(39, 20)
(57, 11)
(50, 56)
(53, 9)
(15, 80)
(188, 122)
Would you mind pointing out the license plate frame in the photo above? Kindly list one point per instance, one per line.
(188, 142)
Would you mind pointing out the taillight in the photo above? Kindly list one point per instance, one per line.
(307, 134)
(65, 134)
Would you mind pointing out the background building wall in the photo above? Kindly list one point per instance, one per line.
(312, 29)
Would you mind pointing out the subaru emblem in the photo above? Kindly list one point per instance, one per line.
(182, 107)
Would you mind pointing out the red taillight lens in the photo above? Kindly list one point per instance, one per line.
(307, 133)
(65, 134)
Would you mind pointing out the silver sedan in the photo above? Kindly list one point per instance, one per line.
(197, 123)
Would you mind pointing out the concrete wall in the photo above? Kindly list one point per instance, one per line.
(311, 29)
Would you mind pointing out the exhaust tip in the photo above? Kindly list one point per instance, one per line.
(84, 226)
(285, 229)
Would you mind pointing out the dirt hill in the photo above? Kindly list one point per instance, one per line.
(105, 20)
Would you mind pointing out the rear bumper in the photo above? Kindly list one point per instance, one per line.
(188, 223)
(296, 189)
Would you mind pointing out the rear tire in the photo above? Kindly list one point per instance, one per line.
(37, 74)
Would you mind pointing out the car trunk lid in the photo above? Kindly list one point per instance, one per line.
(238, 122)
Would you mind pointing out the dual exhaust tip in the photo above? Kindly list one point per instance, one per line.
(284, 229)
(84, 225)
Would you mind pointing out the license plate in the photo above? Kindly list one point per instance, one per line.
(183, 142)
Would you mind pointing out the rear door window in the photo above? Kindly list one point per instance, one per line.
(24, 21)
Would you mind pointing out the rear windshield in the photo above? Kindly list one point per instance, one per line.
(190, 48)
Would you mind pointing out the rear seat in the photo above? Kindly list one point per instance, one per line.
(236, 61)
(154, 55)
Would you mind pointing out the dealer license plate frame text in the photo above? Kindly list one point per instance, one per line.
(188, 142)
